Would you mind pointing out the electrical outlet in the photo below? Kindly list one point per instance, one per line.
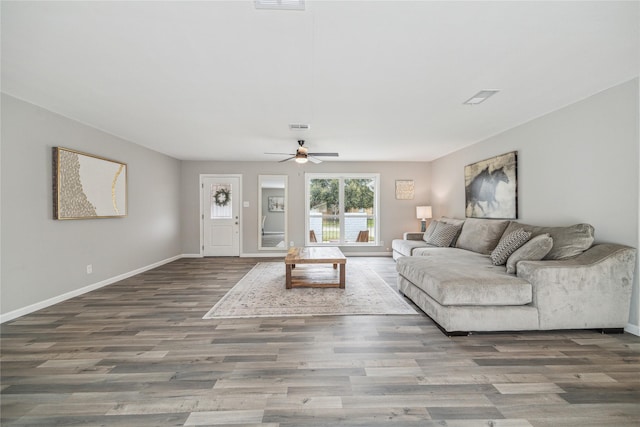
(291, 243)
(89, 268)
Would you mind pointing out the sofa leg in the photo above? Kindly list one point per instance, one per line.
(611, 331)
(456, 333)
(443, 330)
(450, 333)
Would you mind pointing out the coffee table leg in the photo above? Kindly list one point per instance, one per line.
(288, 282)
(335, 266)
(343, 267)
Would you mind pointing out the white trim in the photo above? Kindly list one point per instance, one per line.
(380, 254)
(308, 176)
(240, 206)
(60, 298)
(264, 255)
(260, 213)
(191, 256)
(632, 329)
(347, 254)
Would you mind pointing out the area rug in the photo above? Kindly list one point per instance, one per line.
(262, 293)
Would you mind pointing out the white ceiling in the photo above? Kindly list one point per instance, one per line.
(375, 80)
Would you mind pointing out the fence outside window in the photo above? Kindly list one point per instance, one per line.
(326, 228)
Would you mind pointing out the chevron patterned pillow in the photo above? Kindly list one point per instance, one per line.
(508, 245)
(443, 234)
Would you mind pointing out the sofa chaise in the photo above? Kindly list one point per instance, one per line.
(495, 275)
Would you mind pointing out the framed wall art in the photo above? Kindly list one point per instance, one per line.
(275, 203)
(404, 189)
(491, 187)
(87, 186)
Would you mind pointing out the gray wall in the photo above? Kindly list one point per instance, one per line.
(43, 258)
(397, 216)
(577, 164)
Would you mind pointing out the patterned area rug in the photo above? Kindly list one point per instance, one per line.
(262, 293)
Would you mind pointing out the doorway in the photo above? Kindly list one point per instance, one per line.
(220, 213)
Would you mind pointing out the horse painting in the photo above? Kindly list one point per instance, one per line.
(490, 187)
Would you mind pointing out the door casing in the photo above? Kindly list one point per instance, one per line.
(240, 206)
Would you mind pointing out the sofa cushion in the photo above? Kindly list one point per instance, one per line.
(429, 231)
(567, 241)
(481, 235)
(406, 247)
(458, 277)
(534, 250)
(443, 234)
(508, 245)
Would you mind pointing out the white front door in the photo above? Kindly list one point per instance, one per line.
(220, 215)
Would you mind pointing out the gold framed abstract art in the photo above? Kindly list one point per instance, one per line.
(404, 189)
(87, 186)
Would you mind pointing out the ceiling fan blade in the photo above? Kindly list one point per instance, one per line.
(287, 159)
(323, 154)
(313, 159)
(282, 154)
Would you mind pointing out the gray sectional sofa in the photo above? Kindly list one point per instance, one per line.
(481, 280)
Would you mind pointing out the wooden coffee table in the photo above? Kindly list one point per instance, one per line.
(315, 255)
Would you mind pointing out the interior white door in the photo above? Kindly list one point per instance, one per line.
(221, 216)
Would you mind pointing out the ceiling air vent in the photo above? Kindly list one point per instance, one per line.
(480, 97)
(299, 126)
(280, 4)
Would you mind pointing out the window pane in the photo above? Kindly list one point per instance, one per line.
(221, 201)
(324, 215)
(359, 196)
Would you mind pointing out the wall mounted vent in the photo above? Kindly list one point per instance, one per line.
(299, 126)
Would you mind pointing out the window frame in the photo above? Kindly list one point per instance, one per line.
(341, 177)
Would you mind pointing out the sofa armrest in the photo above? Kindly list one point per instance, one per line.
(412, 236)
(591, 290)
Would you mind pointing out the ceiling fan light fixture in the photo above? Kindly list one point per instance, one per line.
(302, 155)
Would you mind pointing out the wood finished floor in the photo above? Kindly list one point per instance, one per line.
(137, 353)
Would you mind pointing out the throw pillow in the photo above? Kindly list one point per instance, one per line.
(481, 235)
(429, 231)
(454, 221)
(443, 234)
(567, 241)
(534, 250)
(508, 245)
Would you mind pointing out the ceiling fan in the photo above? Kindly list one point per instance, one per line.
(302, 154)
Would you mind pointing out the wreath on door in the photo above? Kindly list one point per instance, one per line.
(222, 197)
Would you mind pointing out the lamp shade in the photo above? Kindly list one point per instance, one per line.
(423, 212)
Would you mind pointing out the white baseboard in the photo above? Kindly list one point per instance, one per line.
(632, 329)
(354, 254)
(191, 256)
(276, 254)
(55, 300)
